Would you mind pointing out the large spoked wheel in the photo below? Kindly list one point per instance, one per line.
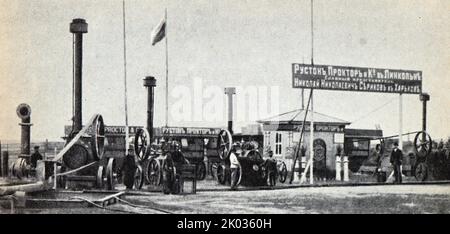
(221, 177)
(98, 139)
(138, 178)
(142, 144)
(282, 172)
(224, 144)
(201, 171)
(421, 172)
(111, 174)
(153, 172)
(422, 144)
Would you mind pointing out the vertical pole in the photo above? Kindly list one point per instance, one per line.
(125, 78)
(303, 99)
(167, 71)
(400, 124)
(311, 140)
(55, 185)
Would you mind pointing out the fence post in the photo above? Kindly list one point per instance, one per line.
(346, 168)
(4, 165)
(338, 168)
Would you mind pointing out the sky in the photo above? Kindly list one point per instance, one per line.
(218, 44)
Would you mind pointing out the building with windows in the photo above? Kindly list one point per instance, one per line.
(281, 134)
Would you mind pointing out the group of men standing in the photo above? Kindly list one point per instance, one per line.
(269, 163)
(395, 159)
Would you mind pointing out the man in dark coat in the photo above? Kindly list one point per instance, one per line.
(271, 165)
(35, 157)
(129, 169)
(396, 161)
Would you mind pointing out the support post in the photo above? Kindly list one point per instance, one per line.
(338, 168)
(400, 124)
(345, 162)
(311, 140)
(5, 161)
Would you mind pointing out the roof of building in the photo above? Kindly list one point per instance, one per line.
(297, 116)
(363, 133)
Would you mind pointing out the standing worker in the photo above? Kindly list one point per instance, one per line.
(35, 157)
(234, 164)
(396, 161)
(271, 166)
(128, 170)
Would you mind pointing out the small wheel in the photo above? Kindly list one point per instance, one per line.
(421, 172)
(138, 178)
(201, 171)
(224, 144)
(98, 138)
(142, 144)
(422, 144)
(100, 172)
(221, 178)
(153, 172)
(282, 172)
(111, 174)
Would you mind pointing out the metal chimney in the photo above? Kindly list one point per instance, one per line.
(78, 27)
(24, 113)
(230, 91)
(150, 83)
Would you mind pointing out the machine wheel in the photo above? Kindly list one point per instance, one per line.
(153, 172)
(138, 178)
(142, 143)
(221, 175)
(282, 172)
(98, 139)
(111, 174)
(100, 177)
(224, 144)
(422, 144)
(421, 172)
(201, 171)
(19, 168)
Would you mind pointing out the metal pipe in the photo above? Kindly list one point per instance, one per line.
(25, 137)
(150, 83)
(78, 27)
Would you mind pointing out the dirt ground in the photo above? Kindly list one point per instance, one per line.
(409, 199)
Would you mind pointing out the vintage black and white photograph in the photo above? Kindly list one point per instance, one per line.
(225, 107)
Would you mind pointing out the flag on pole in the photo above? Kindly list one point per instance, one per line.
(159, 32)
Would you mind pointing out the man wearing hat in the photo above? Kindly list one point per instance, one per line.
(234, 164)
(35, 157)
(396, 161)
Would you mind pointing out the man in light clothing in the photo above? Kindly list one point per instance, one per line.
(234, 165)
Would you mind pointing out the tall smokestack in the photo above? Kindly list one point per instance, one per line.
(150, 83)
(78, 27)
(24, 113)
(230, 91)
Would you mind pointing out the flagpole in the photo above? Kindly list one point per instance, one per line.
(167, 72)
(125, 80)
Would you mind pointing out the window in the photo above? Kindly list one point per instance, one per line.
(278, 144)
